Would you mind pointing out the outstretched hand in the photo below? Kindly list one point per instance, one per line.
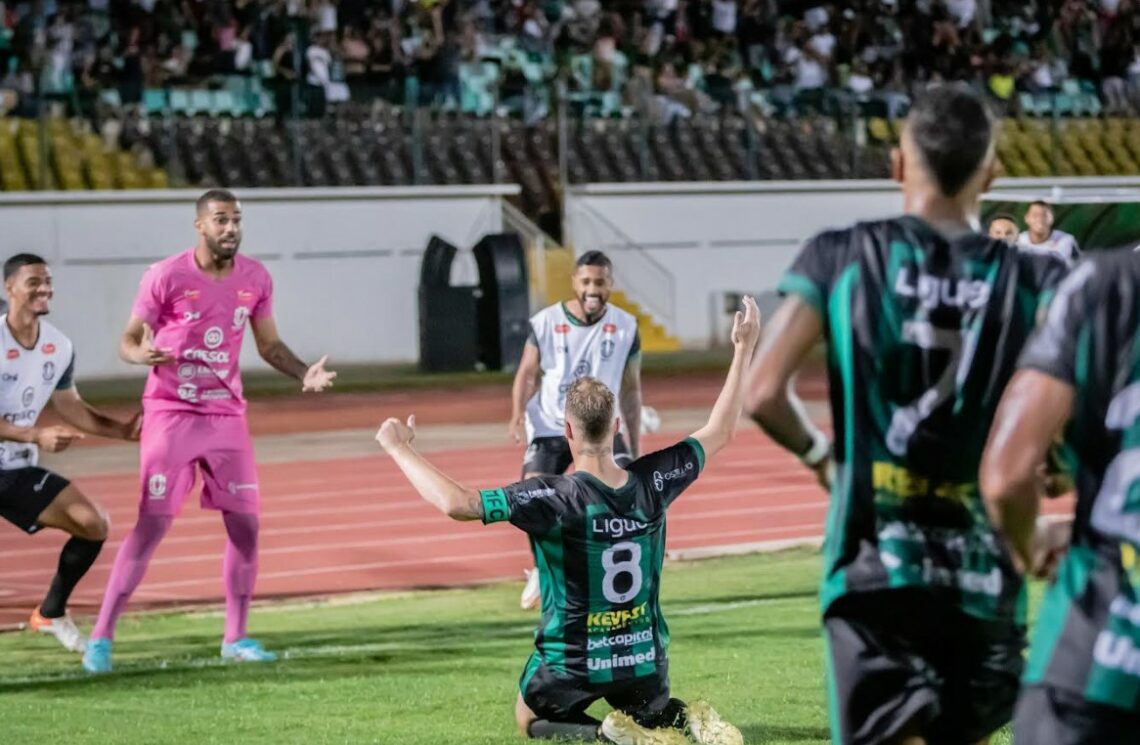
(746, 325)
(317, 378)
(393, 433)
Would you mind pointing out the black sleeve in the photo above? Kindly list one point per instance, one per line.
(1053, 349)
(816, 269)
(533, 505)
(671, 471)
(531, 335)
(67, 380)
(1046, 273)
(635, 348)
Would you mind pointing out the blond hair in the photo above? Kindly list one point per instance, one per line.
(591, 404)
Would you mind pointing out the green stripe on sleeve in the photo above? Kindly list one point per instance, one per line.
(699, 449)
(495, 507)
(798, 284)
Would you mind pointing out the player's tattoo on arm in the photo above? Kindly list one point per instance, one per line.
(282, 359)
(596, 451)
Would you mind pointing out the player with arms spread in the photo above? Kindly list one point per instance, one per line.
(1080, 376)
(198, 303)
(599, 536)
(923, 614)
(38, 367)
(585, 336)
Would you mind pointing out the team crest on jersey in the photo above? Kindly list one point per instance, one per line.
(213, 337)
(49, 372)
(582, 369)
(27, 397)
(608, 343)
(48, 348)
(241, 313)
(156, 486)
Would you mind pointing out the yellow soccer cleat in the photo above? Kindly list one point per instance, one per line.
(620, 729)
(707, 727)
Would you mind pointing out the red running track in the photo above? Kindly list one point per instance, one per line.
(334, 526)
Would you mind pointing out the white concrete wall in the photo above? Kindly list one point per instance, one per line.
(345, 262)
(713, 238)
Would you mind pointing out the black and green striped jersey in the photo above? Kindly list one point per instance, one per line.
(924, 331)
(599, 553)
(1087, 636)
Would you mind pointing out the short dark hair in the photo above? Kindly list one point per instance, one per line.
(592, 404)
(953, 130)
(13, 264)
(215, 195)
(1039, 203)
(1002, 216)
(594, 258)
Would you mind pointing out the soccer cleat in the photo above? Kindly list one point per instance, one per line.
(707, 728)
(97, 658)
(62, 628)
(247, 650)
(532, 593)
(620, 729)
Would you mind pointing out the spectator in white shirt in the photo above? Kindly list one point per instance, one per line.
(1042, 238)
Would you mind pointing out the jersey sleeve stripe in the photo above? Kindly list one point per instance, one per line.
(798, 284)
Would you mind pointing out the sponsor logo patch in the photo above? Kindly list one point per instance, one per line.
(48, 348)
(659, 478)
(213, 337)
(13, 354)
(28, 396)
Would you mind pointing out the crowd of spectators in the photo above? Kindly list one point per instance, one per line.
(674, 56)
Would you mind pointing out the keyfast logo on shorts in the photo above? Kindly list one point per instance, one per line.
(659, 478)
(156, 486)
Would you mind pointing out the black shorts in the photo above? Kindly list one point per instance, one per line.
(902, 655)
(1051, 716)
(560, 699)
(551, 455)
(26, 492)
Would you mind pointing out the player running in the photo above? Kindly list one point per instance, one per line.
(923, 615)
(1079, 375)
(39, 366)
(599, 536)
(197, 303)
(567, 341)
(1040, 236)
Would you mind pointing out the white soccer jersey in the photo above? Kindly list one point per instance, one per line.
(28, 377)
(569, 350)
(1059, 243)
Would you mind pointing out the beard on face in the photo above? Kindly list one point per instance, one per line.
(222, 252)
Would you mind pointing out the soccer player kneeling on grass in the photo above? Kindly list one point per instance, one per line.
(599, 536)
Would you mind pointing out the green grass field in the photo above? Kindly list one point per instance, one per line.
(426, 667)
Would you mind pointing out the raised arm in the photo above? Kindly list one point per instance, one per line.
(630, 397)
(526, 380)
(770, 399)
(451, 498)
(274, 351)
(721, 426)
(1033, 409)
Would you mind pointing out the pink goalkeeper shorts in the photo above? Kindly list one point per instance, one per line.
(174, 443)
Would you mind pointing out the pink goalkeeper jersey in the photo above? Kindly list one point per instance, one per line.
(203, 320)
